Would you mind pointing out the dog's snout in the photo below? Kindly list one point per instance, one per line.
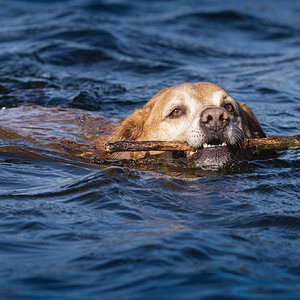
(214, 118)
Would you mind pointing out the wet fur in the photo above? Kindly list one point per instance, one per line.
(137, 126)
(84, 134)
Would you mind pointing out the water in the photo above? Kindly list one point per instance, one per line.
(71, 230)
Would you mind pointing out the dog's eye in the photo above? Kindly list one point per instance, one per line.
(229, 107)
(176, 113)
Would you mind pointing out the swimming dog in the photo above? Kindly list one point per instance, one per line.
(201, 114)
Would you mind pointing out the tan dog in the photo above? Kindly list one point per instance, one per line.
(202, 114)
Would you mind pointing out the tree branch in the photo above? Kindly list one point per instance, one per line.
(256, 145)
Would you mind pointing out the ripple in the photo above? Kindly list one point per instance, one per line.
(90, 231)
(66, 54)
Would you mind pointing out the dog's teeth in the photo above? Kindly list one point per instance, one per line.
(205, 145)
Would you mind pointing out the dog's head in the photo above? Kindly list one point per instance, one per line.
(202, 114)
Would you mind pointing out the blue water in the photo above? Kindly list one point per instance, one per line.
(72, 230)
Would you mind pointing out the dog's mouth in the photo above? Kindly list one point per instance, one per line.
(212, 146)
(214, 154)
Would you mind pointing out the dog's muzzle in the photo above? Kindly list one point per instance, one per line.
(216, 148)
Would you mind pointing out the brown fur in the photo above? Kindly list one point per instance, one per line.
(143, 123)
(68, 130)
(251, 125)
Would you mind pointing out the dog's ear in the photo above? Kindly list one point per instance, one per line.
(251, 126)
(132, 127)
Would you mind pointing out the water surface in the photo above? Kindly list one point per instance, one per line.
(72, 230)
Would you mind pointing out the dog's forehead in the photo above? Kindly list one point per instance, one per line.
(203, 92)
(200, 93)
(207, 93)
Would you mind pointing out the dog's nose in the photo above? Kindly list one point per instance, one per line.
(214, 118)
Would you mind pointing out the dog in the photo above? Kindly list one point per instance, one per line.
(201, 114)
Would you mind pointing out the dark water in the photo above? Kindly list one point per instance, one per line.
(77, 231)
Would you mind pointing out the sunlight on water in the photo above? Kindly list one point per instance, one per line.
(80, 230)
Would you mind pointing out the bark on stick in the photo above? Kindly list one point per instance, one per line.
(256, 145)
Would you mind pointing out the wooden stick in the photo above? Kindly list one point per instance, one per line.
(121, 146)
(257, 145)
(273, 143)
